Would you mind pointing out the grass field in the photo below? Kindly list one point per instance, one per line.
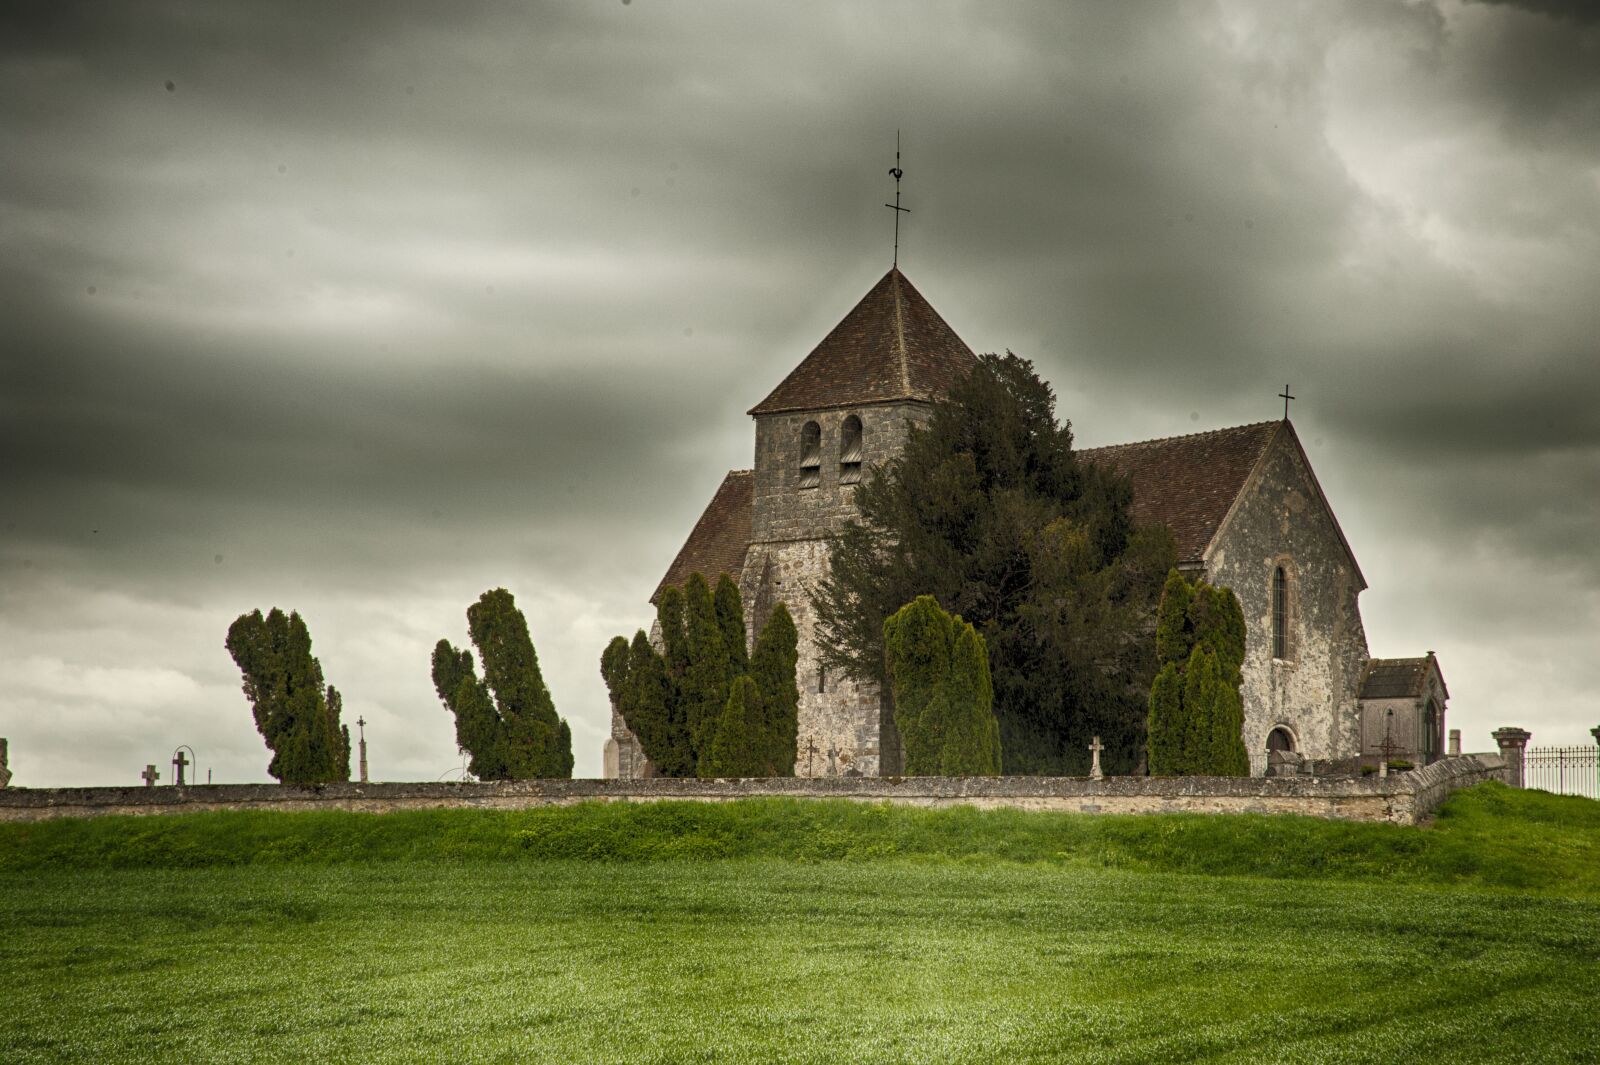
(790, 931)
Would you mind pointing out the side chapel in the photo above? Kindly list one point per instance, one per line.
(1243, 505)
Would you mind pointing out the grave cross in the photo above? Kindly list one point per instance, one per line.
(1095, 772)
(150, 776)
(179, 760)
(811, 753)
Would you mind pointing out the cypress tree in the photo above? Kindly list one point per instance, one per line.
(973, 744)
(943, 695)
(674, 635)
(1166, 707)
(517, 734)
(479, 732)
(916, 642)
(1174, 634)
(614, 668)
(675, 700)
(1196, 712)
(1199, 707)
(772, 667)
(733, 750)
(295, 711)
(730, 621)
(705, 680)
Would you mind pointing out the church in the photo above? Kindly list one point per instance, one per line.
(1243, 505)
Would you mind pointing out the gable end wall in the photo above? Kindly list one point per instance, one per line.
(1313, 692)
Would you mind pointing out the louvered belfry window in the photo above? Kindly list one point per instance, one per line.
(1280, 613)
(850, 451)
(810, 455)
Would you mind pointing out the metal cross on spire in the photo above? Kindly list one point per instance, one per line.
(896, 173)
(1286, 397)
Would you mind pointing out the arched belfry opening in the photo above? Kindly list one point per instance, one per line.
(810, 455)
(850, 451)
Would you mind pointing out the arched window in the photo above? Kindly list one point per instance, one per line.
(850, 451)
(810, 455)
(1430, 733)
(1280, 613)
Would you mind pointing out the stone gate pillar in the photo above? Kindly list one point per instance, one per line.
(1513, 742)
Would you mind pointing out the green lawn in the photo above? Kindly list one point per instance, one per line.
(803, 932)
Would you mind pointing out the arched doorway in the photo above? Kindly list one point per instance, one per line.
(1281, 756)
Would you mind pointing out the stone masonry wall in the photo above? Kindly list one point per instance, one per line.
(783, 510)
(841, 722)
(1313, 691)
(1402, 798)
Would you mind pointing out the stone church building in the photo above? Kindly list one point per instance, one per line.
(1243, 505)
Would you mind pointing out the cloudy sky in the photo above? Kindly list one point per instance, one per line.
(362, 310)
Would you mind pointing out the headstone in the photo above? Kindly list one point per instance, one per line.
(1095, 772)
(1455, 743)
(150, 776)
(361, 723)
(1513, 744)
(5, 770)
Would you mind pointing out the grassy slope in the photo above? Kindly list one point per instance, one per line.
(941, 936)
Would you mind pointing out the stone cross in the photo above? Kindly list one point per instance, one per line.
(179, 760)
(811, 753)
(1095, 772)
(150, 776)
(5, 770)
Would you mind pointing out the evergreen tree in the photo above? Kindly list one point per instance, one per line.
(1166, 708)
(518, 735)
(1196, 713)
(734, 750)
(479, 731)
(730, 621)
(943, 694)
(772, 667)
(674, 634)
(989, 510)
(675, 699)
(705, 680)
(1174, 636)
(295, 711)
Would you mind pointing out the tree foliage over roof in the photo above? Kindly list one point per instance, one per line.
(988, 510)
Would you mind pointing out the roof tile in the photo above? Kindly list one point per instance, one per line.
(721, 537)
(892, 345)
(1188, 483)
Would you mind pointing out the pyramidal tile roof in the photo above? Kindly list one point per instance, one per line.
(891, 346)
(1188, 483)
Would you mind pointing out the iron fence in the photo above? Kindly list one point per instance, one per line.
(1563, 770)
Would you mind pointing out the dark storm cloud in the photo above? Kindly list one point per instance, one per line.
(368, 308)
(1581, 11)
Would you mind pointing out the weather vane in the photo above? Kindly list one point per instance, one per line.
(1286, 397)
(896, 173)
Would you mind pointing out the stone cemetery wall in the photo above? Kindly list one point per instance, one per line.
(1402, 798)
